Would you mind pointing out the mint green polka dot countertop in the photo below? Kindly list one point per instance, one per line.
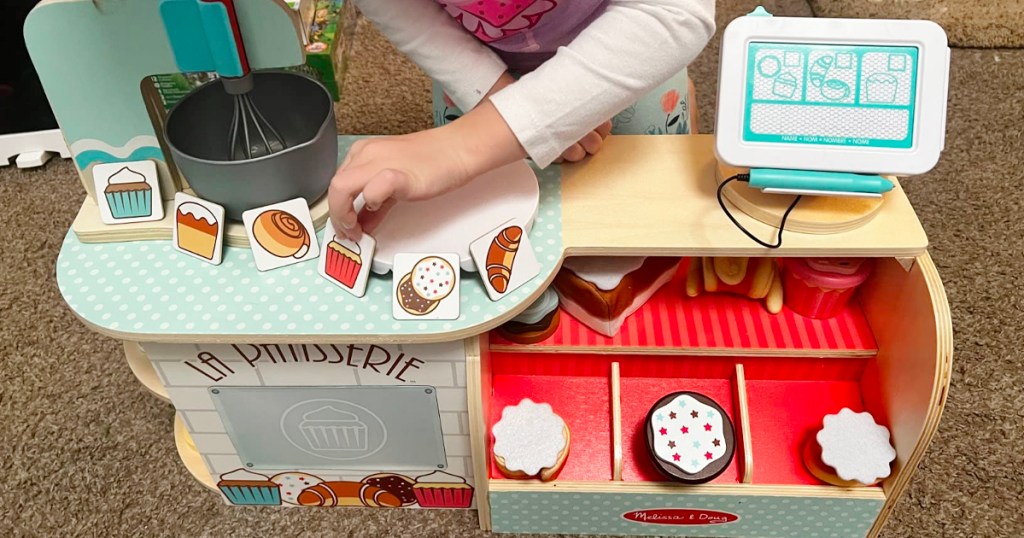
(146, 290)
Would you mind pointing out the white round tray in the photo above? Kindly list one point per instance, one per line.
(451, 222)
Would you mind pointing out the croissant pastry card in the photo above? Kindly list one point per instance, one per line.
(505, 259)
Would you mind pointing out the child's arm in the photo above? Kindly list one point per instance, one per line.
(624, 53)
(438, 44)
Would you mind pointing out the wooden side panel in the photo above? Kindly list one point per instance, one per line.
(906, 386)
(478, 385)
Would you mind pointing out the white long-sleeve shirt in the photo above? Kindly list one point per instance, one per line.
(595, 57)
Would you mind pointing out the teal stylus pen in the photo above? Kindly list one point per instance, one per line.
(772, 178)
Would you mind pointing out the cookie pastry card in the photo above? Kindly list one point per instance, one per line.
(198, 228)
(281, 234)
(504, 259)
(128, 192)
(345, 262)
(425, 286)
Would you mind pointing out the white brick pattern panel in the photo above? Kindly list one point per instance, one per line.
(203, 422)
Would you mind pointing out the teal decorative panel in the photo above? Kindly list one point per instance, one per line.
(147, 287)
(642, 514)
(92, 57)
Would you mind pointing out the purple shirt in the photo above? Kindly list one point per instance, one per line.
(525, 33)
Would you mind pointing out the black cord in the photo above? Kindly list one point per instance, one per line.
(782, 225)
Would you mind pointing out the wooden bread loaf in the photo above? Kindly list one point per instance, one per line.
(347, 494)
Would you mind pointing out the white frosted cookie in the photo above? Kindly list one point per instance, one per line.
(689, 436)
(433, 278)
(530, 440)
(856, 447)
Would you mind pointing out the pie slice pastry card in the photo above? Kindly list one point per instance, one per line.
(128, 192)
(505, 259)
(198, 228)
(425, 286)
(345, 262)
(281, 234)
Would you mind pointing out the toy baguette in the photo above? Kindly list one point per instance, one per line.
(500, 256)
(347, 494)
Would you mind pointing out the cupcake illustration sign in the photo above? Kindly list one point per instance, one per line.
(128, 192)
(198, 228)
(334, 429)
(346, 263)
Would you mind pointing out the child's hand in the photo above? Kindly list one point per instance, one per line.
(385, 170)
(417, 166)
(588, 145)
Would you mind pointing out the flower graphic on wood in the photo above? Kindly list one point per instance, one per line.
(328, 428)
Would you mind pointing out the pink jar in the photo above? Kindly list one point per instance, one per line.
(820, 288)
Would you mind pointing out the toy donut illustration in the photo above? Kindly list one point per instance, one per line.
(281, 234)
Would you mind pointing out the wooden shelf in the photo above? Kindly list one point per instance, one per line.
(711, 324)
(660, 193)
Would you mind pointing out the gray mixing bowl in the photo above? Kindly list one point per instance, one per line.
(198, 132)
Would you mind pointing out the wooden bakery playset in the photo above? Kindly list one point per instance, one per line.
(741, 335)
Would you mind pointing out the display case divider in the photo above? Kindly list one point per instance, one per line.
(746, 452)
(616, 424)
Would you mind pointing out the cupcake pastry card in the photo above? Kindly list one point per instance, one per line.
(425, 286)
(504, 259)
(345, 262)
(198, 228)
(128, 192)
(281, 234)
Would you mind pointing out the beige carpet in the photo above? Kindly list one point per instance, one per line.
(89, 453)
(968, 23)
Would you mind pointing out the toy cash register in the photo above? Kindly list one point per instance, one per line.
(821, 106)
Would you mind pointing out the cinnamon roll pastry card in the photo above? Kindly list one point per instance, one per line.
(198, 228)
(505, 259)
(281, 234)
(346, 263)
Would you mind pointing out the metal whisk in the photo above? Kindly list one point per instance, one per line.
(251, 135)
(258, 136)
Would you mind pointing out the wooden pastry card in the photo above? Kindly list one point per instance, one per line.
(505, 259)
(281, 234)
(198, 228)
(128, 192)
(345, 262)
(426, 286)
